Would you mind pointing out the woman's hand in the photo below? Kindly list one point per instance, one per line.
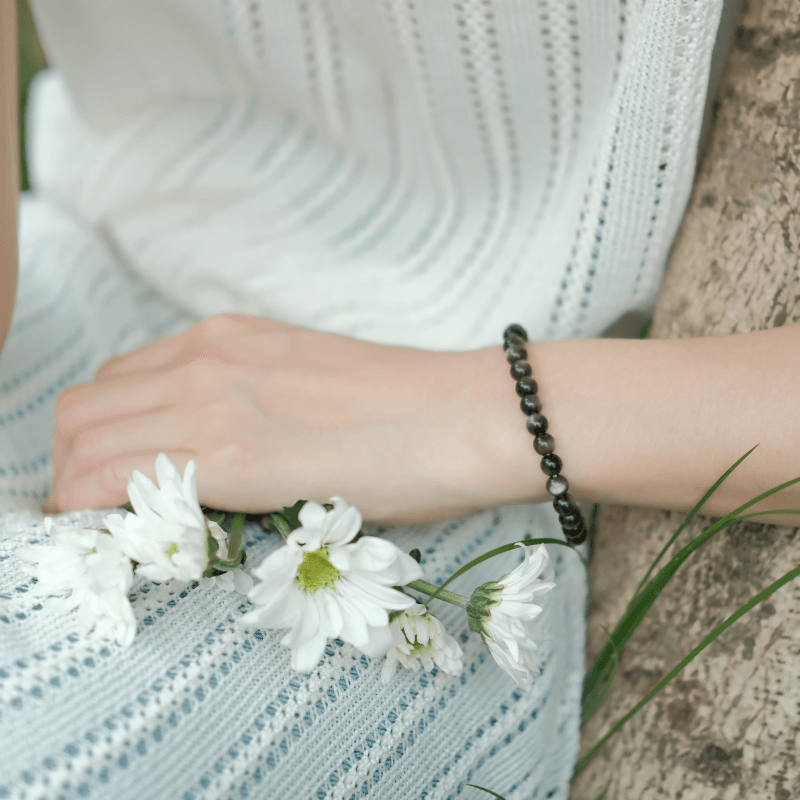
(272, 413)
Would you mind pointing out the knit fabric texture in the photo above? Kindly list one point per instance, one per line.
(197, 707)
(412, 173)
(418, 173)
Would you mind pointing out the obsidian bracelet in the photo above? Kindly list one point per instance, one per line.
(569, 515)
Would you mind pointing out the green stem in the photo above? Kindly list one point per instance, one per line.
(225, 566)
(432, 589)
(498, 551)
(235, 538)
(763, 595)
(279, 522)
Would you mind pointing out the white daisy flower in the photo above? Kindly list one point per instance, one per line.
(323, 585)
(502, 613)
(86, 570)
(420, 639)
(167, 532)
(234, 580)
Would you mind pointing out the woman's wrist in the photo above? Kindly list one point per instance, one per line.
(506, 466)
(648, 423)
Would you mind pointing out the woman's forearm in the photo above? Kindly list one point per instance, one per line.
(9, 163)
(654, 423)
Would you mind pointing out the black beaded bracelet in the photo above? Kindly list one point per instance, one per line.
(569, 515)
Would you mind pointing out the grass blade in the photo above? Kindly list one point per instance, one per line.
(754, 601)
(590, 705)
(603, 793)
(593, 528)
(642, 602)
(762, 513)
(689, 518)
(488, 791)
(496, 552)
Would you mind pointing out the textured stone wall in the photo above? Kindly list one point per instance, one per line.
(728, 727)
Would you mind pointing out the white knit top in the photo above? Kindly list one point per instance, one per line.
(418, 172)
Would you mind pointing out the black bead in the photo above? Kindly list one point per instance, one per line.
(578, 536)
(520, 370)
(572, 520)
(544, 444)
(515, 328)
(513, 339)
(551, 465)
(537, 424)
(531, 404)
(527, 385)
(516, 353)
(557, 485)
(564, 504)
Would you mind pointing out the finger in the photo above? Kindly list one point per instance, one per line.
(90, 403)
(152, 356)
(160, 430)
(106, 485)
(60, 454)
(213, 329)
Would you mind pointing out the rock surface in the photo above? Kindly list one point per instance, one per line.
(728, 726)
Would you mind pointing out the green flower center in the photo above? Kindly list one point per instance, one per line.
(171, 550)
(316, 571)
(420, 650)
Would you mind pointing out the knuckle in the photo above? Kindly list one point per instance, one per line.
(219, 325)
(112, 476)
(109, 367)
(236, 454)
(198, 372)
(84, 444)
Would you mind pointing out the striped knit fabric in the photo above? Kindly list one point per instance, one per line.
(416, 173)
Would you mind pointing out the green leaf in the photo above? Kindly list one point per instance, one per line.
(591, 704)
(754, 601)
(291, 513)
(496, 552)
(603, 793)
(416, 555)
(763, 513)
(641, 603)
(689, 518)
(488, 791)
(216, 516)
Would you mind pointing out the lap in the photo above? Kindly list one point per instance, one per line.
(199, 708)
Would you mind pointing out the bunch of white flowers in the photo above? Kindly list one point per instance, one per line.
(165, 538)
(327, 581)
